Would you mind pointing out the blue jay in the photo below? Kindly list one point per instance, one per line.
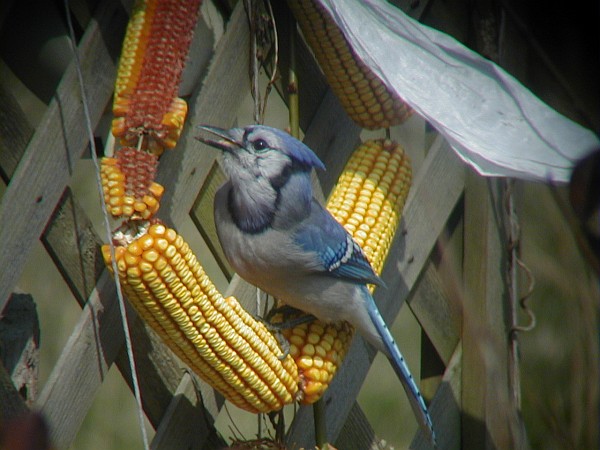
(278, 237)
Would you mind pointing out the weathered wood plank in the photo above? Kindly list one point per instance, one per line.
(445, 409)
(437, 302)
(333, 137)
(19, 344)
(15, 133)
(490, 418)
(477, 225)
(12, 404)
(74, 246)
(357, 432)
(436, 189)
(59, 141)
(436, 313)
(72, 385)
(186, 424)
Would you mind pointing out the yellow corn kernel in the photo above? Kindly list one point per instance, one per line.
(215, 336)
(368, 201)
(363, 95)
(370, 194)
(318, 350)
(152, 59)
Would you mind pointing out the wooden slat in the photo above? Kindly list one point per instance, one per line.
(333, 137)
(357, 432)
(445, 409)
(15, 133)
(74, 381)
(435, 313)
(437, 303)
(74, 246)
(436, 189)
(20, 344)
(59, 141)
(185, 420)
(19, 357)
(12, 404)
(490, 419)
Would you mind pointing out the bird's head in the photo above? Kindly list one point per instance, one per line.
(258, 151)
(269, 175)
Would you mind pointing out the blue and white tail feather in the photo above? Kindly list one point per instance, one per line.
(399, 365)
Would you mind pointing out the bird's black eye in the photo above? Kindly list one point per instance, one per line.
(259, 145)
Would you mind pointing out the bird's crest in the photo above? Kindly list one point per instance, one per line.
(283, 142)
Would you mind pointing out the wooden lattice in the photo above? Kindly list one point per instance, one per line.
(47, 210)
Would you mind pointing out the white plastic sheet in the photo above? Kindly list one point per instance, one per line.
(491, 120)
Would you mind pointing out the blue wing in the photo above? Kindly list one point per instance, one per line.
(338, 254)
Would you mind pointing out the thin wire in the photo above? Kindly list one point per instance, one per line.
(273, 78)
(88, 123)
(251, 11)
(258, 302)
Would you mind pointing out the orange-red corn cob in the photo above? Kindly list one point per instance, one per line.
(127, 184)
(154, 51)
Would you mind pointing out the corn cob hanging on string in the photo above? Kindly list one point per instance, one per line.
(155, 48)
(148, 115)
(368, 201)
(363, 95)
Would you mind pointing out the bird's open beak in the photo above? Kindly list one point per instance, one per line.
(228, 139)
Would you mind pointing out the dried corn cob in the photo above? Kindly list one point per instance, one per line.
(363, 95)
(368, 201)
(318, 350)
(127, 184)
(370, 194)
(154, 51)
(216, 337)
